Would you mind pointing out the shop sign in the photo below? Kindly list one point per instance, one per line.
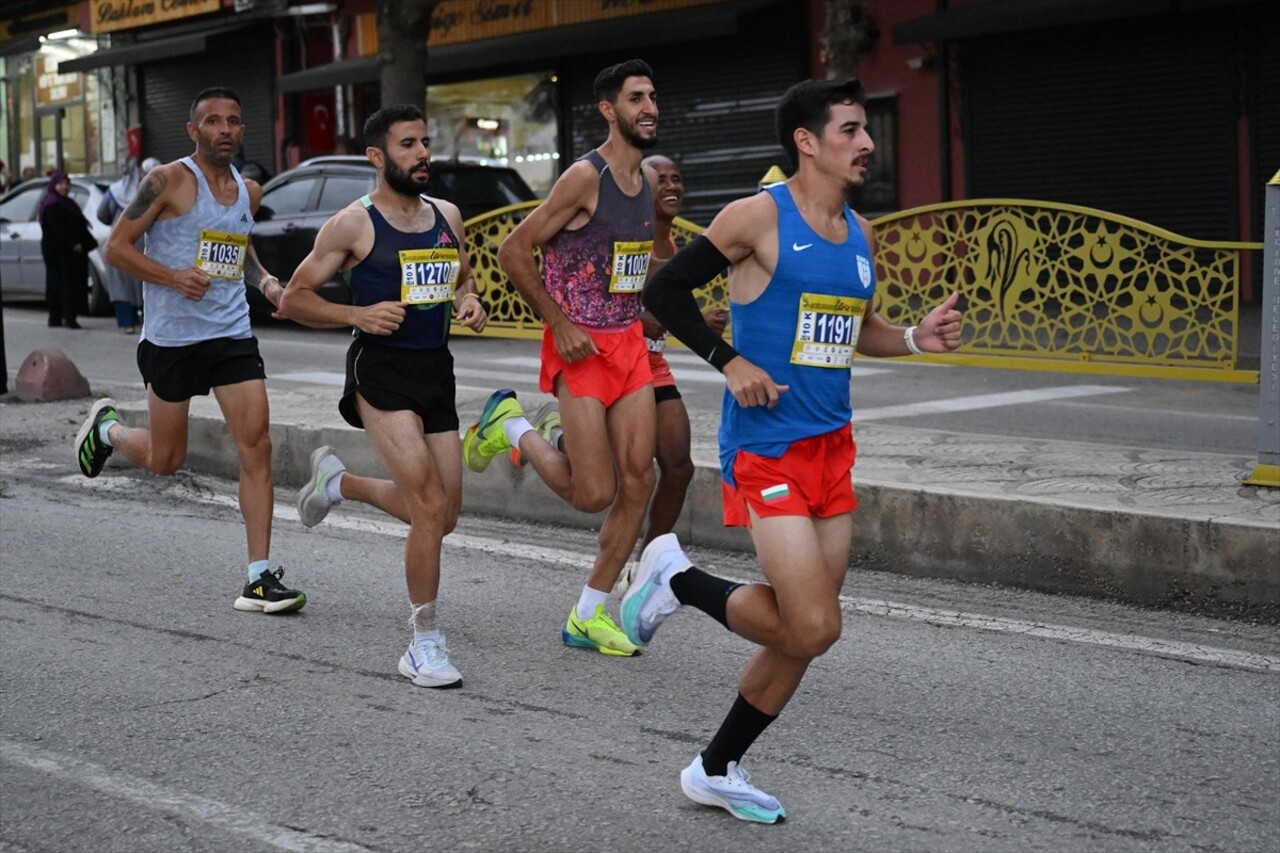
(457, 21)
(54, 89)
(598, 10)
(109, 15)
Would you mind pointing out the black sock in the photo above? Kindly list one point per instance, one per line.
(708, 593)
(738, 731)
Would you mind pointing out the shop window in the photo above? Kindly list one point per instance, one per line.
(880, 192)
(502, 121)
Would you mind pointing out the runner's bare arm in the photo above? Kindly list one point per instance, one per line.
(468, 310)
(153, 198)
(572, 196)
(334, 250)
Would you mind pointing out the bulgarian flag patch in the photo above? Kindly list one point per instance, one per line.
(775, 493)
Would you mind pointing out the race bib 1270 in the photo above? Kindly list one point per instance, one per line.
(827, 330)
(630, 266)
(221, 255)
(428, 276)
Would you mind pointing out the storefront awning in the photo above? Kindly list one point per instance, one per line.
(1011, 16)
(364, 69)
(147, 51)
(717, 20)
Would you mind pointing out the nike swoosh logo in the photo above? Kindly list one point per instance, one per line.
(796, 247)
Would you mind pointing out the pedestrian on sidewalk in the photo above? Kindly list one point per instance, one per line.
(65, 244)
(596, 231)
(196, 214)
(801, 290)
(409, 277)
(125, 290)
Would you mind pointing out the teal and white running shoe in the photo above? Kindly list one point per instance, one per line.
(732, 792)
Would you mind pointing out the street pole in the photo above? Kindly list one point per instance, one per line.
(1267, 470)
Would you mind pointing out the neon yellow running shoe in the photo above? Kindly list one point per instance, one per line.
(485, 438)
(597, 633)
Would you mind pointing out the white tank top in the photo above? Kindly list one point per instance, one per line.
(213, 237)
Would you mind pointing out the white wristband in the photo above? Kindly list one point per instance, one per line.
(909, 337)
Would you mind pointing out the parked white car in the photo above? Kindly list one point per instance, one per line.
(22, 265)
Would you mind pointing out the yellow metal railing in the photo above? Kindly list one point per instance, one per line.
(509, 315)
(1044, 285)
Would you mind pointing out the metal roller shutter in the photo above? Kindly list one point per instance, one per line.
(244, 64)
(716, 100)
(1136, 118)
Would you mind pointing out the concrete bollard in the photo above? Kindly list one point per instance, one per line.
(47, 374)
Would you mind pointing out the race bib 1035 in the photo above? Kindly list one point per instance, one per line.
(221, 255)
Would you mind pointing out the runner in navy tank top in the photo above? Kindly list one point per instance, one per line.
(596, 232)
(409, 278)
(801, 282)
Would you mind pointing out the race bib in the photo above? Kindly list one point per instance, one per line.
(630, 266)
(428, 276)
(827, 330)
(222, 255)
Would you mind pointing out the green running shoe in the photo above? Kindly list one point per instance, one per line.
(597, 633)
(92, 452)
(485, 438)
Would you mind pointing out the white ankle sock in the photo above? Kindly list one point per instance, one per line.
(104, 432)
(588, 600)
(515, 428)
(333, 487)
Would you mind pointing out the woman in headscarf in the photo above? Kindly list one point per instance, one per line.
(125, 291)
(65, 242)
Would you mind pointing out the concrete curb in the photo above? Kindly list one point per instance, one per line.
(1216, 566)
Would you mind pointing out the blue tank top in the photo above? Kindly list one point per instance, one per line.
(802, 329)
(421, 268)
(595, 273)
(213, 237)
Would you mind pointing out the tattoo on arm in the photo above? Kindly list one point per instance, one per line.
(152, 186)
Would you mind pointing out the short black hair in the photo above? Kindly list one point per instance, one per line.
(609, 81)
(378, 125)
(212, 92)
(808, 104)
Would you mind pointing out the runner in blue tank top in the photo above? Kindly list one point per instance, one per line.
(801, 283)
(409, 278)
(196, 214)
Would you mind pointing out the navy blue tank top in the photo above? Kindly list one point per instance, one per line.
(802, 330)
(420, 268)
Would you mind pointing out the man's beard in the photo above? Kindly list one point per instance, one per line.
(403, 182)
(218, 156)
(632, 136)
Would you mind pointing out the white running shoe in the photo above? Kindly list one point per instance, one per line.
(426, 664)
(650, 600)
(732, 792)
(313, 498)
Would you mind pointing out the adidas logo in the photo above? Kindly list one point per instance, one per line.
(244, 218)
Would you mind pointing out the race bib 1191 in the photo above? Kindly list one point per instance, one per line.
(827, 330)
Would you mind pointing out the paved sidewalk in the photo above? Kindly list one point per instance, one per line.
(1147, 526)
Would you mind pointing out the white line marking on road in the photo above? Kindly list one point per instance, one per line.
(875, 607)
(983, 401)
(152, 796)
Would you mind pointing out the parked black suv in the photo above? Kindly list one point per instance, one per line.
(297, 202)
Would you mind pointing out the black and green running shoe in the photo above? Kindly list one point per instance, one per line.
(268, 595)
(92, 452)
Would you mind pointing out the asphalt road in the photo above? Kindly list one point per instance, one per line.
(140, 712)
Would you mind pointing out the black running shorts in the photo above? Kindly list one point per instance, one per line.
(397, 379)
(177, 374)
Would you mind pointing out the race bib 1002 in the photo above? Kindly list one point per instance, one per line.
(221, 255)
(827, 330)
(428, 276)
(630, 266)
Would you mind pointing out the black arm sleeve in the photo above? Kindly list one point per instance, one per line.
(669, 295)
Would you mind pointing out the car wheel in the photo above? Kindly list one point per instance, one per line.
(99, 299)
